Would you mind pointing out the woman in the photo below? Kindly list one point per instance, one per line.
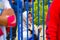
(29, 27)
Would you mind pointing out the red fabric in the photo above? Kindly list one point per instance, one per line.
(1, 33)
(8, 29)
(53, 21)
(10, 20)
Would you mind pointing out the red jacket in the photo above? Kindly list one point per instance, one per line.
(53, 21)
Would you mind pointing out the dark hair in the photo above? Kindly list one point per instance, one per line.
(29, 13)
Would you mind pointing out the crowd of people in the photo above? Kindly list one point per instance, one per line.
(8, 18)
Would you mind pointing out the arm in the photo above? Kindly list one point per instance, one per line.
(52, 21)
(4, 18)
(8, 11)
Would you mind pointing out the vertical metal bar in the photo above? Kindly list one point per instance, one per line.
(18, 20)
(48, 8)
(43, 17)
(38, 17)
(21, 20)
(27, 16)
(48, 3)
(33, 19)
(10, 33)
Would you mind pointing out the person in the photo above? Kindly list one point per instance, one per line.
(7, 18)
(25, 27)
(53, 21)
(29, 27)
(36, 29)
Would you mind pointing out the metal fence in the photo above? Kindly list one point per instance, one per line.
(20, 18)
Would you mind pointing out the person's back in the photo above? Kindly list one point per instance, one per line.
(53, 21)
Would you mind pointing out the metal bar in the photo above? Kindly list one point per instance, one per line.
(48, 3)
(10, 33)
(21, 20)
(43, 17)
(38, 12)
(33, 19)
(38, 17)
(18, 20)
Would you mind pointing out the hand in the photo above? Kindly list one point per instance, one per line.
(4, 18)
(40, 28)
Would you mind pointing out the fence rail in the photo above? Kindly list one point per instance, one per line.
(20, 18)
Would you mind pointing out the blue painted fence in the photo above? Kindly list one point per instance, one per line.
(20, 18)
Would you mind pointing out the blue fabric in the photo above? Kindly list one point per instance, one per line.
(31, 38)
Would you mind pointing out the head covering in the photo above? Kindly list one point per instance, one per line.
(25, 26)
(24, 14)
(25, 19)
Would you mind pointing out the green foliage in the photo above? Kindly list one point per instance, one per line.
(36, 11)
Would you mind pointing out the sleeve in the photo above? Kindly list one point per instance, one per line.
(6, 4)
(52, 21)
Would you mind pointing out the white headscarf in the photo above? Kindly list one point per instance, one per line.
(25, 26)
(25, 19)
(29, 23)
